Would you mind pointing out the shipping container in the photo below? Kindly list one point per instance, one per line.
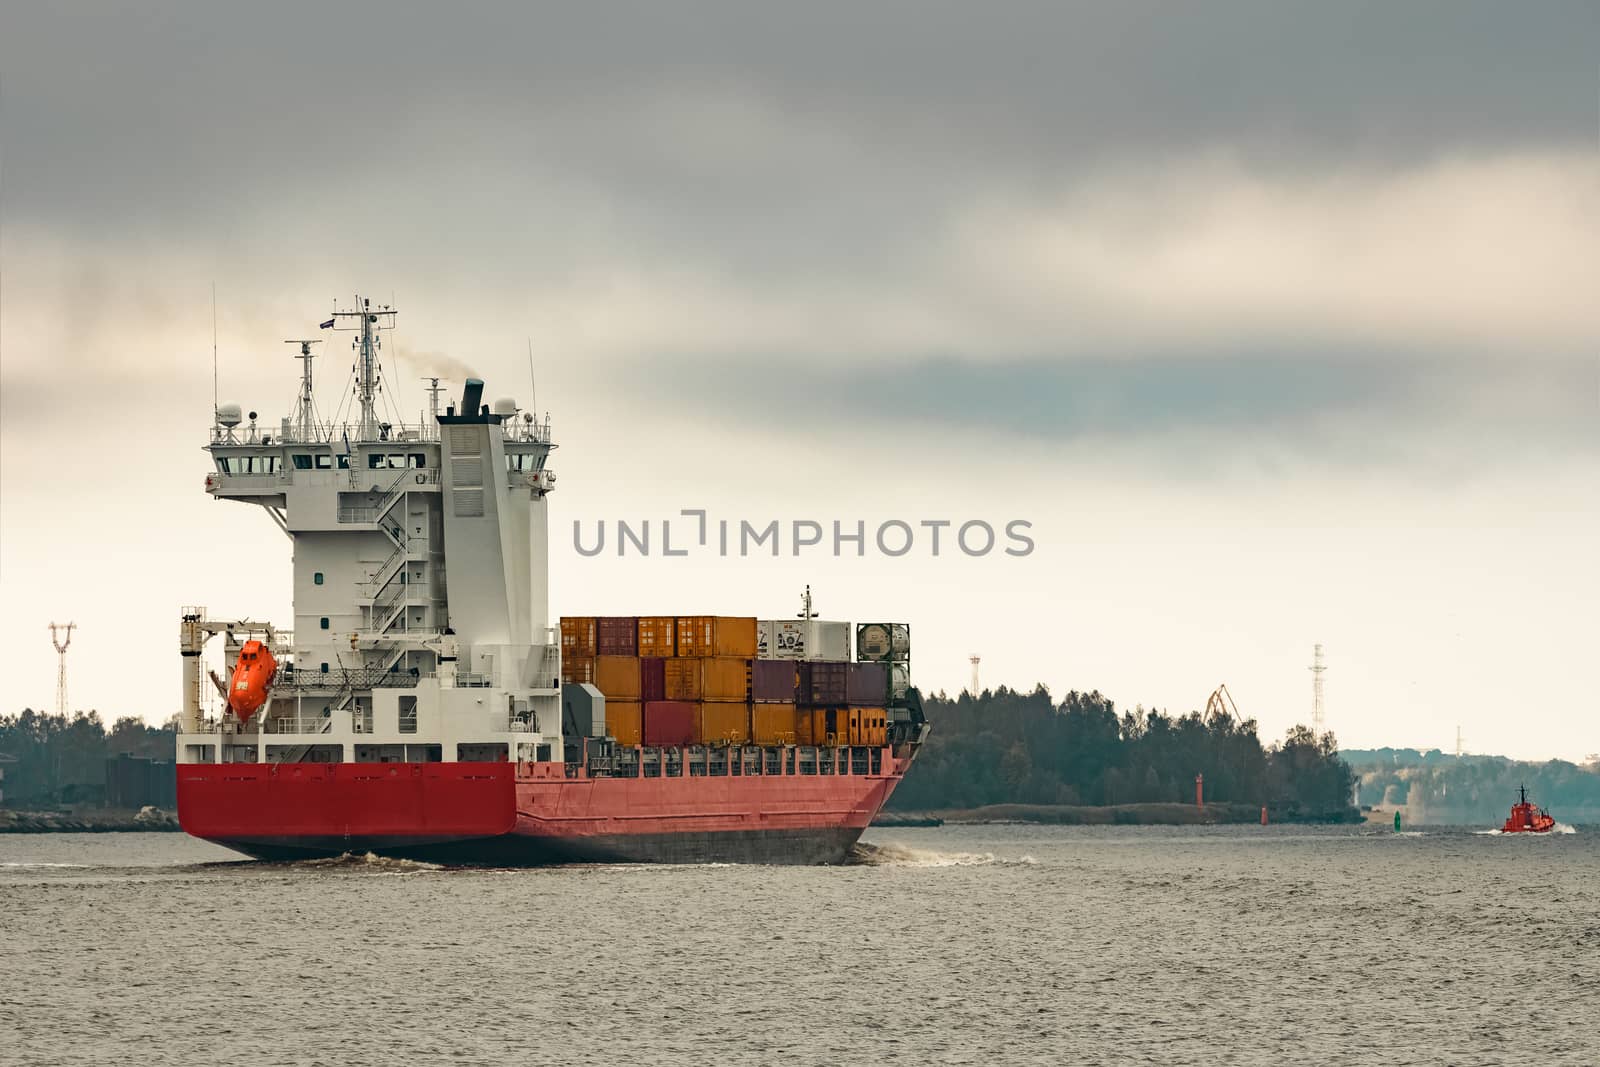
(899, 682)
(867, 684)
(652, 678)
(817, 639)
(772, 681)
(808, 726)
(624, 721)
(707, 678)
(658, 636)
(578, 635)
(618, 677)
(883, 641)
(868, 726)
(576, 668)
(617, 635)
(835, 731)
(716, 635)
(669, 723)
(723, 722)
(821, 683)
(774, 724)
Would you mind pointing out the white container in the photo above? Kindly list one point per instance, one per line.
(816, 639)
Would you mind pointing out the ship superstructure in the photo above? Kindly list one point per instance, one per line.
(416, 707)
(393, 656)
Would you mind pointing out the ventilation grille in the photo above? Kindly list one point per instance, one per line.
(465, 440)
(466, 470)
(468, 503)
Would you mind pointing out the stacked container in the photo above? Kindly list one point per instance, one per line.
(578, 647)
(888, 644)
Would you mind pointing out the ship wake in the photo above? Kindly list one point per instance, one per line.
(889, 854)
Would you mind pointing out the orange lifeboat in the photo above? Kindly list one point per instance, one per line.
(252, 679)
(1526, 818)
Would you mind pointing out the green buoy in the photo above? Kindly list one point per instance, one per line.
(1397, 822)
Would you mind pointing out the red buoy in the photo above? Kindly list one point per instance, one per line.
(252, 679)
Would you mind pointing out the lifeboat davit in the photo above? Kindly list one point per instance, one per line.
(1526, 818)
(252, 679)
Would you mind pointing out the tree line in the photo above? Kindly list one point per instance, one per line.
(1010, 747)
(57, 755)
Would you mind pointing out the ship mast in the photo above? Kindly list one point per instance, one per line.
(305, 415)
(369, 323)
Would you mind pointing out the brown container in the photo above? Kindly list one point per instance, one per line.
(625, 721)
(822, 684)
(772, 681)
(576, 668)
(774, 724)
(618, 677)
(670, 722)
(653, 678)
(867, 684)
(723, 723)
(617, 635)
(657, 636)
(716, 635)
(578, 635)
(681, 678)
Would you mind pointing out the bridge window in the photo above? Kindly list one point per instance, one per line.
(418, 459)
(324, 461)
(223, 465)
(344, 461)
(302, 462)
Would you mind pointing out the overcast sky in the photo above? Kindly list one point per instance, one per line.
(1276, 322)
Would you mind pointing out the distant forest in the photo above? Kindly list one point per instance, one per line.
(58, 756)
(1440, 788)
(1008, 747)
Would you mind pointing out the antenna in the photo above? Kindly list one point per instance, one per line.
(214, 386)
(1317, 667)
(305, 415)
(807, 609)
(973, 659)
(533, 388)
(61, 644)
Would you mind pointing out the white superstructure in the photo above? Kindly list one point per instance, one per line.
(421, 623)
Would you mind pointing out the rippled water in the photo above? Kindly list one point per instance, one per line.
(991, 945)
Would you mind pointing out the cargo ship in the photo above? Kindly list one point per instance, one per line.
(425, 705)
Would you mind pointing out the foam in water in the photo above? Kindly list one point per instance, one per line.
(890, 854)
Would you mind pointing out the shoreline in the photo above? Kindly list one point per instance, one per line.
(89, 821)
(1213, 814)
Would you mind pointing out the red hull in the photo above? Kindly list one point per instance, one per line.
(1527, 819)
(528, 813)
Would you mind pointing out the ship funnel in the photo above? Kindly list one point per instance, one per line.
(472, 396)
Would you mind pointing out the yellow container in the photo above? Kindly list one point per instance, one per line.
(577, 668)
(578, 635)
(774, 724)
(716, 635)
(723, 723)
(810, 726)
(868, 726)
(624, 720)
(657, 636)
(617, 677)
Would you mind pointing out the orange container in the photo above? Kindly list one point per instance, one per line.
(810, 726)
(724, 678)
(774, 724)
(617, 677)
(869, 726)
(578, 635)
(723, 723)
(624, 720)
(577, 668)
(657, 636)
(716, 635)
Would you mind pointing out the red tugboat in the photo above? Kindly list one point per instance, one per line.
(1526, 818)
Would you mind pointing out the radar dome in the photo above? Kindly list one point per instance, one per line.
(229, 415)
(505, 406)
